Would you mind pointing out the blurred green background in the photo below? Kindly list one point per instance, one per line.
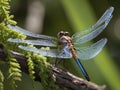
(73, 16)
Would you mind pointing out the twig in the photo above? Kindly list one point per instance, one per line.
(65, 80)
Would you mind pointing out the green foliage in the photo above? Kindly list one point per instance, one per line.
(30, 66)
(14, 72)
(1, 80)
(4, 12)
(33, 61)
(44, 72)
(14, 67)
(5, 33)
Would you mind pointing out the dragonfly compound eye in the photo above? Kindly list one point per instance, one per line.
(66, 33)
(61, 33)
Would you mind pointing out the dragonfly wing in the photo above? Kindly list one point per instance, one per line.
(93, 34)
(49, 53)
(95, 30)
(28, 33)
(65, 52)
(91, 51)
(41, 42)
(105, 16)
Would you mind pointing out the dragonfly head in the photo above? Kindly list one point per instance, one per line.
(63, 37)
(62, 33)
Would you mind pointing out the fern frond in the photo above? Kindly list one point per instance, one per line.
(30, 66)
(4, 12)
(5, 33)
(44, 72)
(14, 72)
(1, 80)
(34, 60)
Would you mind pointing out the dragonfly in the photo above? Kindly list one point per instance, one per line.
(65, 46)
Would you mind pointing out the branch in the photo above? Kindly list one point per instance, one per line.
(65, 80)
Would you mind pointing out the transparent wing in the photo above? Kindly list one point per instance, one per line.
(91, 51)
(28, 33)
(95, 30)
(93, 34)
(41, 42)
(106, 15)
(49, 53)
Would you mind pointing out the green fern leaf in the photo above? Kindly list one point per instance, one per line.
(1, 80)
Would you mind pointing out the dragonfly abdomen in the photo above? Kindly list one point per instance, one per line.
(74, 54)
(82, 69)
(79, 63)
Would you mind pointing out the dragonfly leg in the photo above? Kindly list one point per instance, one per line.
(57, 61)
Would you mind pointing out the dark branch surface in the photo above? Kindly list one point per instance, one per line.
(65, 80)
